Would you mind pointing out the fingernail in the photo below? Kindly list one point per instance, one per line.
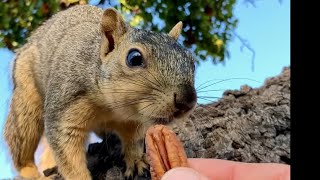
(182, 173)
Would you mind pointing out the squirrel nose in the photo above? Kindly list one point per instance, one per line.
(184, 100)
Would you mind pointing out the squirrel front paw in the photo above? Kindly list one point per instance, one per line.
(135, 163)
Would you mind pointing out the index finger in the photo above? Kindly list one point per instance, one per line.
(217, 169)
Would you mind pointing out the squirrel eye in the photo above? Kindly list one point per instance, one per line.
(134, 58)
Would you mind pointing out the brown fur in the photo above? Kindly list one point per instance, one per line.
(26, 104)
(71, 78)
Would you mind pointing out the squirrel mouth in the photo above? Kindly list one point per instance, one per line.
(162, 120)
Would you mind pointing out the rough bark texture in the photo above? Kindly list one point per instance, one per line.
(247, 125)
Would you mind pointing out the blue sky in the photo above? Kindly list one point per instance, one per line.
(266, 27)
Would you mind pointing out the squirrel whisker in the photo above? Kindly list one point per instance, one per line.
(209, 100)
(139, 111)
(158, 81)
(212, 90)
(221, 80)
(152, 83)
(146, 85)
(122, 105)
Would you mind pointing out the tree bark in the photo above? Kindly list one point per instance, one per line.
(247, 125)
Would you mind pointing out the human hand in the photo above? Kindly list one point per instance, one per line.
(215, 169)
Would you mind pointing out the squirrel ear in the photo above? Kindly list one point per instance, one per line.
(113, 27)
(176, 30)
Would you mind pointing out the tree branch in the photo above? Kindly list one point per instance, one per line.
(245, 44)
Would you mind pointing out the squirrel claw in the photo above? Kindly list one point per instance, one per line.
(137, 166)
(128, 175)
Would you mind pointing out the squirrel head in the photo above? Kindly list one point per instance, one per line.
(145, 75)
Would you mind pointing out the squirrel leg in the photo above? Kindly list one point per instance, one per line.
(24, 128)
(67, 135)
(133, 145)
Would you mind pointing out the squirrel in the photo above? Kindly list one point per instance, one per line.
(86, 70)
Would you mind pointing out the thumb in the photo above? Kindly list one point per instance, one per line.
(183, 173)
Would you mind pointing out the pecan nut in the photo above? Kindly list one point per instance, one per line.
(164, 151)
